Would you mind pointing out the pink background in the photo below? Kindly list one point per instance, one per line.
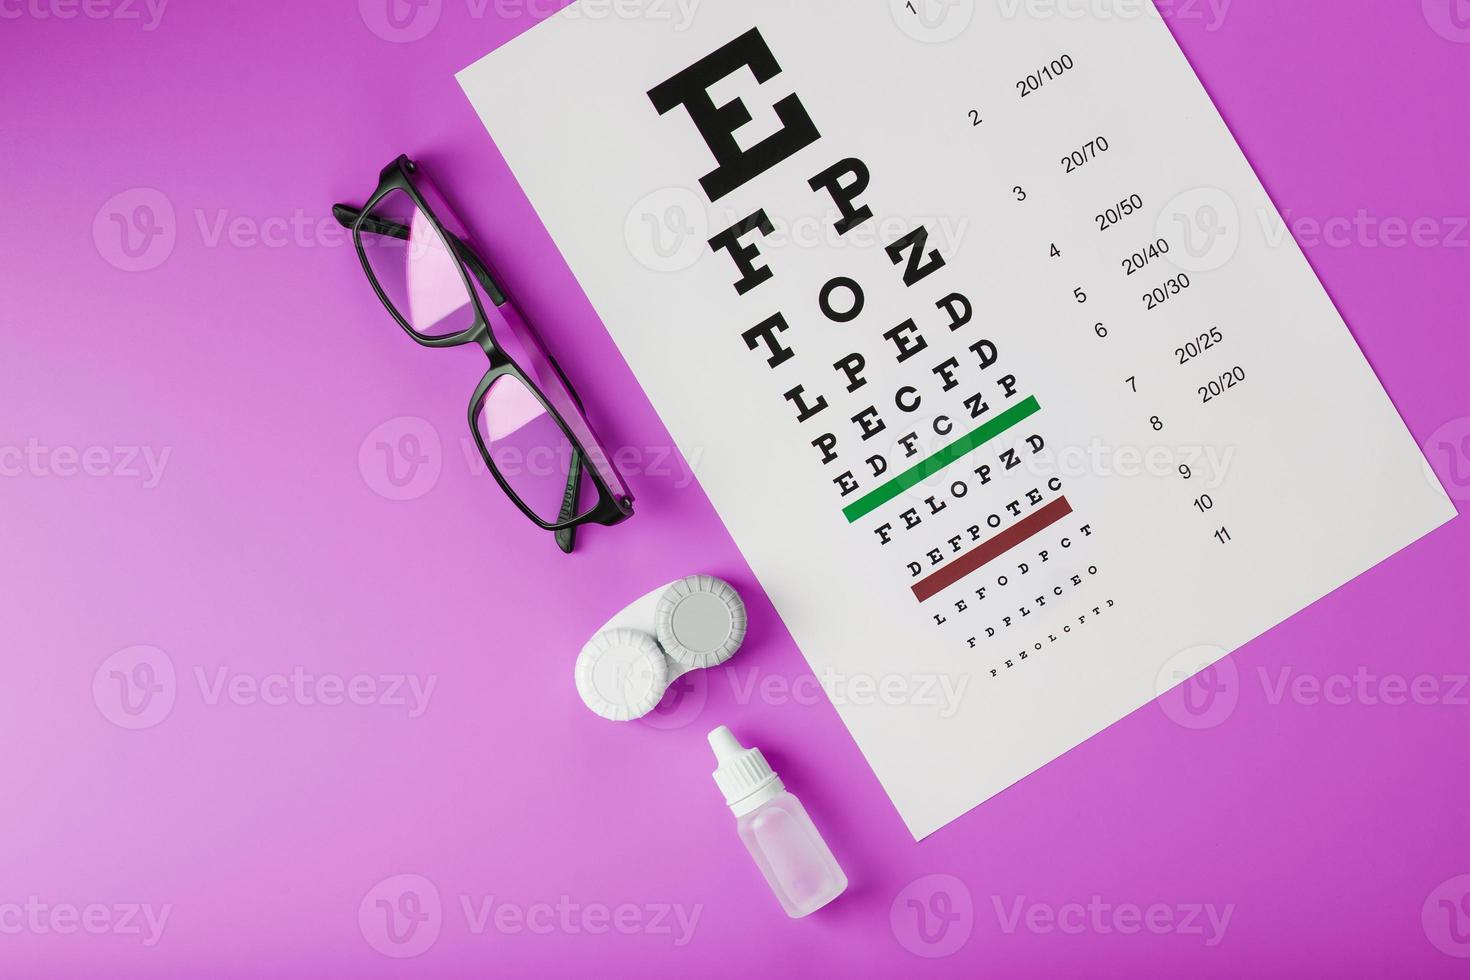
(259, 360)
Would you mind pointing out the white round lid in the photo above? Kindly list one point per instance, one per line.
(700, 621)
(622, 674)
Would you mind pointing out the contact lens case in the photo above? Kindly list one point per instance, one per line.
(692, 624)
(700, 622)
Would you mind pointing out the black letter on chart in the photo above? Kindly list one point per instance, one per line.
(915, 241)
(958, 308)
(844, 194)
(824, 300)
(765, 332)
(717, 124)
(907, 345)
(804, 411)
(751, 275)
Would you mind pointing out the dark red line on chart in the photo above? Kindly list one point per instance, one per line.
(927, 588)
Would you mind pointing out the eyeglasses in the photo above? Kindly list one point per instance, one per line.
(526, 418)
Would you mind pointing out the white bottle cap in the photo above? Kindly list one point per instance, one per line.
(700, 621)
(622, 674)
(743, 775)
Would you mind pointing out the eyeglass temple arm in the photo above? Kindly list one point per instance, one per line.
(566, 538)
(346, 216)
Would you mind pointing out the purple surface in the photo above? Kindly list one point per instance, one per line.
(242, 342)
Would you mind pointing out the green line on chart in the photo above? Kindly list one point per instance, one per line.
(926, 468)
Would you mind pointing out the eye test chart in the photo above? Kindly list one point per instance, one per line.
(992, 371)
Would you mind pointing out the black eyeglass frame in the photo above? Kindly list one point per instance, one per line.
(611, 508)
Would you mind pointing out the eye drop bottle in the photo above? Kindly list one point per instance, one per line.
(775, 827)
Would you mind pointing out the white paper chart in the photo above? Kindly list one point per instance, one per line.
(996, 359)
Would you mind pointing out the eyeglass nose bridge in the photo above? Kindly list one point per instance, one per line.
(486, 340)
